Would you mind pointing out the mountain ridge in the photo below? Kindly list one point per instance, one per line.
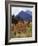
(24, 15)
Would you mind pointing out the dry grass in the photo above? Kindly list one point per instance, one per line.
(21, 30)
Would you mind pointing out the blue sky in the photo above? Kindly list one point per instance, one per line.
(16, 10)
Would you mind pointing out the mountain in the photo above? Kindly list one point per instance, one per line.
(27, 15)
(29, 12)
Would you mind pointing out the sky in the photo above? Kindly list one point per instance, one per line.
(16, 10)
